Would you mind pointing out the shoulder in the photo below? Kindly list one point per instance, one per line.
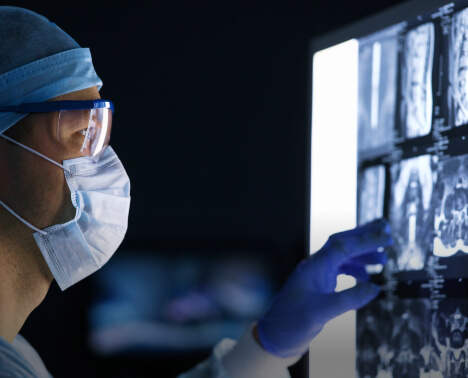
(19, 359)
(12, 364)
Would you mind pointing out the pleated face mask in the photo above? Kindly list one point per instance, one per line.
(100, 192)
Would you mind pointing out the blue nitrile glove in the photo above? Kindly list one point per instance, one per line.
(308, 299)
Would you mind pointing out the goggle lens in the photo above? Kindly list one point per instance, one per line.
(94, 124)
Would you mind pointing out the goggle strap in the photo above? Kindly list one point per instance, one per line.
(35, 152)
(21, 219)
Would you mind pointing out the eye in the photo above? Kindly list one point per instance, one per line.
(83, 131)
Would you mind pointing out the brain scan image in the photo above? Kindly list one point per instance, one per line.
(371, 190)
(411, 213)
(451, 218)
(458, 68)
(377, 91)
(416, 85)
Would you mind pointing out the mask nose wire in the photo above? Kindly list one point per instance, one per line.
(35, 152)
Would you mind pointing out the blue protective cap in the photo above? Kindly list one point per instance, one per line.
(39, 61)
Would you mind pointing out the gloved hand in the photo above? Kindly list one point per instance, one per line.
(308, 299)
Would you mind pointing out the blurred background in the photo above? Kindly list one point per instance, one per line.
(211, 123)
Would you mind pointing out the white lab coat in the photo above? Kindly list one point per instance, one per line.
(229, 359)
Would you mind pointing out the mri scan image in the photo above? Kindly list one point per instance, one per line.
(373, 333)
(413, 170)
(411, 214)
(416, 81)
(450, 339)
(451, 218)
(371, 191)
(458, 68)
(394, 339)
(377, 91)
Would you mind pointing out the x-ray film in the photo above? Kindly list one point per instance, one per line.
(450, 338)
(394, 339)
(371, 191)
(451, 218)
(416, 81)
(410, 214)
(413, 170)
(458, 68)
(373, 339)
(377, 91)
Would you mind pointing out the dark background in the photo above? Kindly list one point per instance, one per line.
(211, 124)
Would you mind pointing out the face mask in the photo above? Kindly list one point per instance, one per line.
(100, 192)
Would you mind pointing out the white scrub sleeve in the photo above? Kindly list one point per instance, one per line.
(242, 359)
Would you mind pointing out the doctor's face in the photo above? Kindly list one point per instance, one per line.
(36, 189)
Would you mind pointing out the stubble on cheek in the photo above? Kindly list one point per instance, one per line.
(39, 192)
(5, 176)
(56, 205)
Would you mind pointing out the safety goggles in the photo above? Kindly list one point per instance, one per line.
(91, 118)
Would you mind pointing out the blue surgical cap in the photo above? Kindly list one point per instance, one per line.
(38, 61)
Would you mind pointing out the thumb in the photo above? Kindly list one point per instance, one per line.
(352, 299)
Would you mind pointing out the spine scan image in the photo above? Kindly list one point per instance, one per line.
(378, 57)
(411, 216)
(450, 338)
(458, 56)
(393, 339)
(451, 220)
(417, 98)
(371, 194)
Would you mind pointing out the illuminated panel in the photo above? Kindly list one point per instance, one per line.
(333, 188)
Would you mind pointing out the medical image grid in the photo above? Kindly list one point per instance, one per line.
(458, 69)
(378, 57)
(371, 191)
(418, 326)
(451, 207)
(411, 211)
(393, 339)
(416, 105)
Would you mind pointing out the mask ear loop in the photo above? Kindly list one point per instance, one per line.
(45, 157)
(35, 152)
(21, 219)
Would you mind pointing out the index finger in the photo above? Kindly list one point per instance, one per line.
(378, 226)
(360, 241)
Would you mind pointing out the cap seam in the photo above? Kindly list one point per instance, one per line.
(31, 67)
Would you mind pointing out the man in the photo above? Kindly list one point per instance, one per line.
(65, 199)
